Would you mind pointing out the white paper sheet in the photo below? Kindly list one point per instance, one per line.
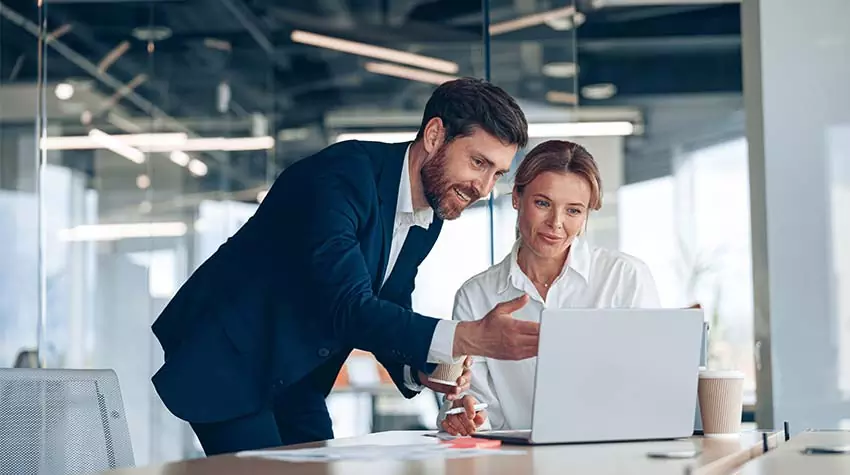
(373, 452)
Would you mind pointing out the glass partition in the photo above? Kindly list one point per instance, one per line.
(19, 201)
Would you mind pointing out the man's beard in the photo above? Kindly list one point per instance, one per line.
(439, 192)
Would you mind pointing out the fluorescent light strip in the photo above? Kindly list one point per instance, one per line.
(180, 158)
(388, 137)
(216, 143)
(165, 142)
(581, 129)
(531, 20)
(377, 52)
(197, 167)
(126, 151)
(641, 3)
(551, 130)
(404, 72)
(562, 97)
(114, 232)
(132, 140)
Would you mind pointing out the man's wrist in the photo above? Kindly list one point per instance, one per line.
(464, 336)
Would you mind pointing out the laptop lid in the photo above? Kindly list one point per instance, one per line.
(616, 375)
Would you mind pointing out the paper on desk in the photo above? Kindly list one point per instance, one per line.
(373, 452)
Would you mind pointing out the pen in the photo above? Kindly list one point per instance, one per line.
(460, 410)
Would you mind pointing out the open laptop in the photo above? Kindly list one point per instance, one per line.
(606, 375)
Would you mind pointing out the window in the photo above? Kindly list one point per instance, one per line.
(693, 230)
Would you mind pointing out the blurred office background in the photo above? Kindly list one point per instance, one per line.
(136, 136)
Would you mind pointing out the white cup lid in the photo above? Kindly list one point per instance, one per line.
(720, 374)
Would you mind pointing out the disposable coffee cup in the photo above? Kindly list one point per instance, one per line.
(720, 396)
(447, 373)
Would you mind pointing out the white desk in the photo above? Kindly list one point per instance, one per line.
(718, 457)
(788, 458)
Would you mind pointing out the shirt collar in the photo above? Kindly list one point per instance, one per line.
(422, 217)
(578, 260)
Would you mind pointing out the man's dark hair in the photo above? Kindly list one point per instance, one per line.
(468, 103)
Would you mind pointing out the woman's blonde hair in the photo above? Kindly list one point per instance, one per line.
(561, 156)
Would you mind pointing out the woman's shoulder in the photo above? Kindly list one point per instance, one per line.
(486, 281)
(482, 289)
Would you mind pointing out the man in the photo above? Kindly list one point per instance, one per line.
(256, 337)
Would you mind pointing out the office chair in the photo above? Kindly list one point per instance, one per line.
(62, 421)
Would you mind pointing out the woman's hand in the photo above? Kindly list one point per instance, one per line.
(465, 423)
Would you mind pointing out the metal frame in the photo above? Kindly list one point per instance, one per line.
(751, 37)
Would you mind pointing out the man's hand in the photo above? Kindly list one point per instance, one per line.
(498, 335)
(465, 423)
(451, 392)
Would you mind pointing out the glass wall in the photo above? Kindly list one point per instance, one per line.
(698, 246)
(163, 123)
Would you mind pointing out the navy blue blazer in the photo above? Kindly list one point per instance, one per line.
(297, 288)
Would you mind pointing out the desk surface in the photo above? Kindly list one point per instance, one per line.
(789, 459)
(718, 456)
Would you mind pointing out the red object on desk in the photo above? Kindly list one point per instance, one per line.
(473, 443)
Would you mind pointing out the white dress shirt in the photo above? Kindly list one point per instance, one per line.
(591, 278)
(442, 342)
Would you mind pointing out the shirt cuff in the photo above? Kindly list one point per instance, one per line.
(409, 383)
(443, 342)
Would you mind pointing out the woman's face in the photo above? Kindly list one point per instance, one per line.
(552, 211)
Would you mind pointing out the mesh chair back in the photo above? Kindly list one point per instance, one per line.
(62, 421)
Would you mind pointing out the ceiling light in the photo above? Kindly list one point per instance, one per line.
(215, 43)
(117, 146)
(222, 97)
(599, 91)
(218, 143)
(197, 167)
(562, 69)
(165, 142)
(64, 91)
(581, 129)
(566, 23)
(377, 52)
(292, 135)
(114, 232)
(539, 130)
(152, 33)
(143, 182)
(531, 20)
(562, 97)
(634, 3)
(387, 137)
(180, 158)
(408, 73)
(132, 140)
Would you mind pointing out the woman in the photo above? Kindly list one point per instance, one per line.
(556, 186)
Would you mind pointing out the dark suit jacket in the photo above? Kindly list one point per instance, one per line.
(297, 288)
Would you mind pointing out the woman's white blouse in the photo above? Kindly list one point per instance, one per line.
(592, 278)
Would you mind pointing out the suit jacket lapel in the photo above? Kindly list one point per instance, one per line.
(388, 182)
(415, 249)
(419, 242)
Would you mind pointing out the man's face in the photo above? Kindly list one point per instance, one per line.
(459, 173)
